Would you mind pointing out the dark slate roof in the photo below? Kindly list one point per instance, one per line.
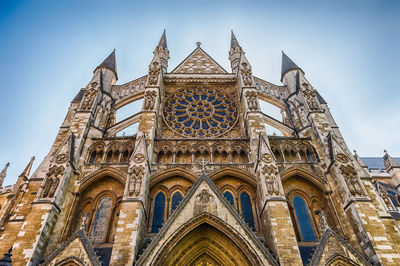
(234, 41)
(320, 99)
(79, 96)
(110, 62)
(287, 65)
(377, 162)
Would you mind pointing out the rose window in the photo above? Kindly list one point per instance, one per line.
(200, 112)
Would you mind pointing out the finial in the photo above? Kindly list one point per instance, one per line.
(7, 164)
(198, 44)
(203, 162)
(385, 151)
(84, 218)
(323, 221)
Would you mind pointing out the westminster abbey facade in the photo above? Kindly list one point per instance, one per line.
(202, 180)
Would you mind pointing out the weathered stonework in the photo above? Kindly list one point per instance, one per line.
(202, 181)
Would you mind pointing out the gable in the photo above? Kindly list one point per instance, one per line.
(77, 250)
(199, 62)
(333, 250)
(205, 205)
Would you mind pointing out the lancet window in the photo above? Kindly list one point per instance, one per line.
(303, 219)
(158, 212)
(247, 211)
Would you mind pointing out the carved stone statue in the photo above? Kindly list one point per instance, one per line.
(270, 174)
(310, 96)
(88, 99)
(53, 180)
(351, 178)
(246, 74)
(323, 221)
(251, 97)
(135, 180)
(150, 100)
(154, 71)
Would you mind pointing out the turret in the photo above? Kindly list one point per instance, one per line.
(106, 72)
(3, 174)
(392, 167)
(235, 53)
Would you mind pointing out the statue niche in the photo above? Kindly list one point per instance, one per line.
(135, 180)
(53, 179)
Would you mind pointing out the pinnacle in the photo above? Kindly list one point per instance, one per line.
(163, 40)
(110, 62)
(234, 42)
(287, 65)
(28, 168)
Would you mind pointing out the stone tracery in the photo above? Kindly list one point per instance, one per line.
(200, 112)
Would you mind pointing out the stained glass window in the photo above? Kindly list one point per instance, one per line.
(176, 199)
(200, 112)
(158, 213)
(229, 197)
(247, 211)
(304, 219)
(101, 218)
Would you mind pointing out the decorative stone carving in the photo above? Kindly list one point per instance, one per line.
(84, 219)
(135, 180)
(89, 97)
(386, 198)
(323, 221)
(204, 201)
(52, 181)
(154, 72)
(150, 100)
(342, 158)
(267, 158)
(199, 62)
(270, 173)
(351, 178)
(200, 112)
(310, 96)
(61, 158)
(138, 158)
(246, 74)
(251, 97)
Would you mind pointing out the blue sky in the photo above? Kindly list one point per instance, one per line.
(48, 50)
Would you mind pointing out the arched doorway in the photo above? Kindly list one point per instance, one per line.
(205, 240)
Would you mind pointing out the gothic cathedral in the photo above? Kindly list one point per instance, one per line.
(202, 180)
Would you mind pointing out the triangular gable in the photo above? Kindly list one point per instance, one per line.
(199, 62)
(76, 249)
(332, 248)
(189, 210)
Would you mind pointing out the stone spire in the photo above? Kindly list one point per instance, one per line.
(287, 65)
(109, 63)
(163, 40)
(27, 169)
(3, 174)
(359, 160)
(389, 162)
(234, 42)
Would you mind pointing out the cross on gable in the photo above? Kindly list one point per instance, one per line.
(203, 162)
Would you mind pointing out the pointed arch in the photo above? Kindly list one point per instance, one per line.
(170, 172)
(97, 175)
(304, 173)
(232, 171)
(207, 221)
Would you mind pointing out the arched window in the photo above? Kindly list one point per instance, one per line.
(304, 219)
(393, 198)
(310, 158)
(229, 198)
(92, 157)
(176, 199)
(247, 211)
(158, 213)
(101, 218)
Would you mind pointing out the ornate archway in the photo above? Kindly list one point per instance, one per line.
(206, 240)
